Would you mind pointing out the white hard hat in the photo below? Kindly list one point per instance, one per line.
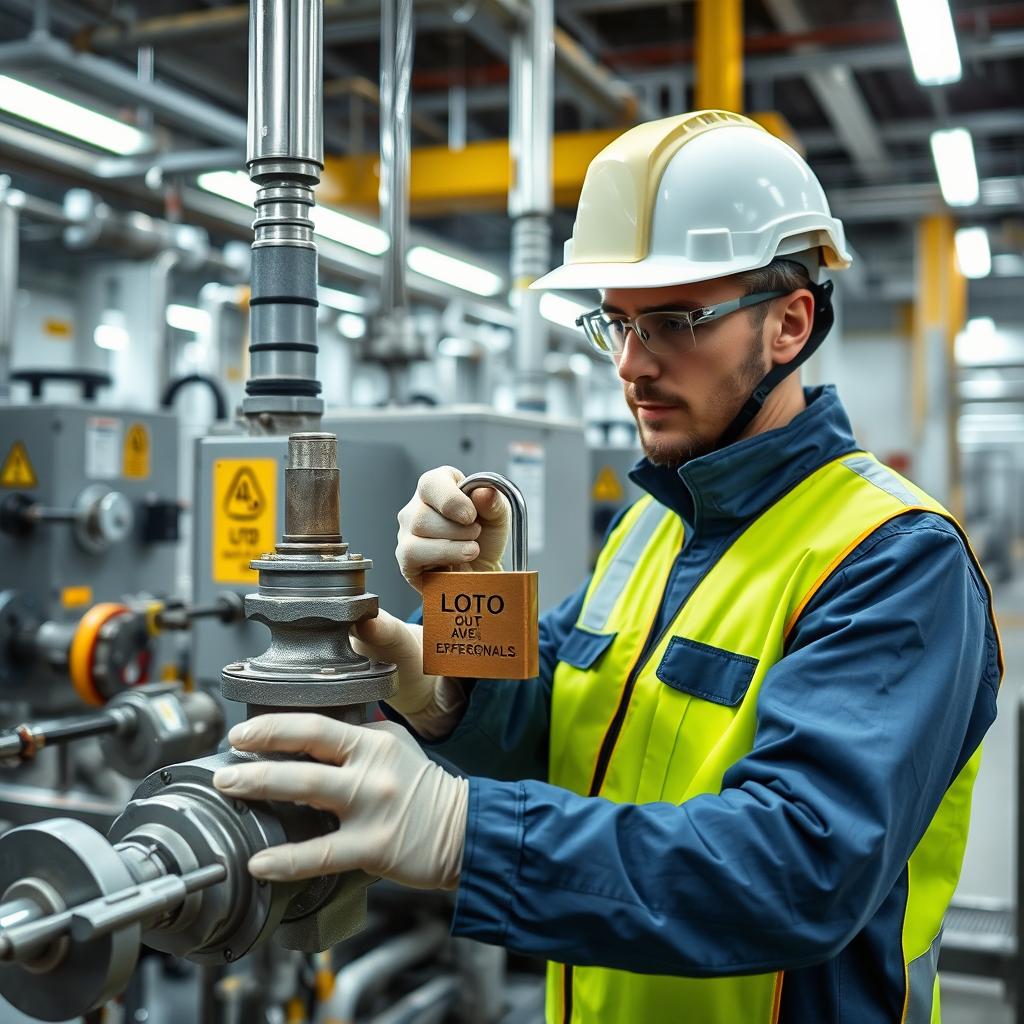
(691, 198)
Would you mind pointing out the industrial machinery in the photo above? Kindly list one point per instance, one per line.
(141, 730)
(88, 523)
(172, 872)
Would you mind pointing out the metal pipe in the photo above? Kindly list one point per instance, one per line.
(396, 70)
(530, 201)
(285, 158)
(8, 289)
(375, 968)
(24, 741)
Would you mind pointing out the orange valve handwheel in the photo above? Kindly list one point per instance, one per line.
(82, 655)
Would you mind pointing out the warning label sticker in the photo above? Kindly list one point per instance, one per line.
(103, 437)
(136, 452)
(244, 516)
(607, 486)
(17, 469)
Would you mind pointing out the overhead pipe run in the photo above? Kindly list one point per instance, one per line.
(9, 221)
(530, 200)
(394, 341)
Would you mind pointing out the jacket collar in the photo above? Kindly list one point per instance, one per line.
(717, 493)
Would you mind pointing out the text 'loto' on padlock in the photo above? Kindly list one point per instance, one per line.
(483, 625)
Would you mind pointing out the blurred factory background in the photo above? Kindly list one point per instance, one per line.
(456, 137)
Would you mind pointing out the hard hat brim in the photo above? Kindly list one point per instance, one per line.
(653, 272)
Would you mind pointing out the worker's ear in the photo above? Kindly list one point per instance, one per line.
(791, 317)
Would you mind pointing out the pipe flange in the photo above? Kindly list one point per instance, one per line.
(332, 687)
(76, 862)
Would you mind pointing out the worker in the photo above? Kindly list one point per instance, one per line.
(738, 792)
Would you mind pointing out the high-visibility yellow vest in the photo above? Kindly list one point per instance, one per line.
(618, 731)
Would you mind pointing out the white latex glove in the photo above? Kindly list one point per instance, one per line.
(432, 704)
(443, 528)
(402, 816)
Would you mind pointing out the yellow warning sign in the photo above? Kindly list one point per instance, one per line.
(244, 516)
(136, 463)
(17, 469)
(607, 486)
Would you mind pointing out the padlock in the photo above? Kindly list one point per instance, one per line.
(483, 625)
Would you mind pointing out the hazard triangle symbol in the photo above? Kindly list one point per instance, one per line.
(17, 469)
(244, 498)
(607, 486)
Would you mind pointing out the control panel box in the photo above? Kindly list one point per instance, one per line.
(89, 502)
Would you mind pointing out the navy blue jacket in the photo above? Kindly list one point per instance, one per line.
(886, 688)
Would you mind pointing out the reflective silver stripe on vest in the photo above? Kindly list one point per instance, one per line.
(921, 984)
(884, 479)
(606, 593)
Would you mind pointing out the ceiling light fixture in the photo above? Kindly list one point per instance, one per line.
(560, 310)
(61, 115)
(442, 267)
(973, 255)
(931, 40)
(953, 152)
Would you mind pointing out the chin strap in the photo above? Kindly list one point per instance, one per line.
(824, 318)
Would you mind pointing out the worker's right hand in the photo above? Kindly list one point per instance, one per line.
(444, 528)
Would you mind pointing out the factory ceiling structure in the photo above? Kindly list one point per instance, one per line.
(835, 78)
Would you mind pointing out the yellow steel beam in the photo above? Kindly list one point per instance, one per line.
(719, 55)
(940, 310)
(477, 177)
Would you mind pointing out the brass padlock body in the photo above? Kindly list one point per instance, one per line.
(480, 625)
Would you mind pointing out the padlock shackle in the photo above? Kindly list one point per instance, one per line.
(520, 548)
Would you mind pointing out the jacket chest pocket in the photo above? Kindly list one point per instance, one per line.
(698, 702)
(710, 673)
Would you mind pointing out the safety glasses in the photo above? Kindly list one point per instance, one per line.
(663, 331)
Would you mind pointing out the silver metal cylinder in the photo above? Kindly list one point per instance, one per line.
(395, 77)
(285, 88)
(285, 157)
(530, 200)
(8, 289)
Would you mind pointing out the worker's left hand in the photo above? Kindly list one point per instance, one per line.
(402, 816)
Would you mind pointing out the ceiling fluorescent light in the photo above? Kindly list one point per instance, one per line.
(60, 115)
(339, 227)
(442, 267)
(931, 40)
(346, 302)
(187, 318)
(973, 255)
(953, 152)
(560, 310)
